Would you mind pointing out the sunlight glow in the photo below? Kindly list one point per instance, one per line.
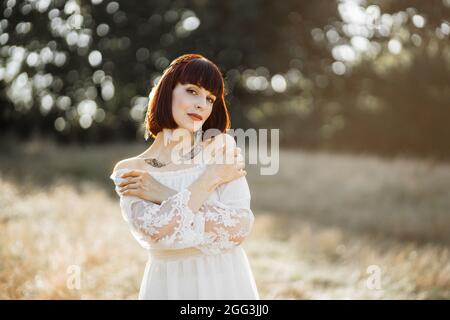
(394, 46)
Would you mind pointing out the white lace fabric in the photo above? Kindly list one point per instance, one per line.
(222, 222)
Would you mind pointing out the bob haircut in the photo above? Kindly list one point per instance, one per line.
(188, 68)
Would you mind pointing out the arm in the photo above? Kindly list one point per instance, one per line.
(174, 218)
(141, 184)
(175, 222)
(170, 223)
(229, 220)
(216, 226)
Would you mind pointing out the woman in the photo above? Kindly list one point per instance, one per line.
(188, 209)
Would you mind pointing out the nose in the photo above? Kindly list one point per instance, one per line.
(202, 104)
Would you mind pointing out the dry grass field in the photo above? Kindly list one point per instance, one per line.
(326, 226)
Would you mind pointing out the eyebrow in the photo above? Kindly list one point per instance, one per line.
(199, 88)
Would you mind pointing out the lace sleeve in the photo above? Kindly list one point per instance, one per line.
(228, 221)
(172, 224)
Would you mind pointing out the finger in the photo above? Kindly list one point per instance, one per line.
(218, 150)
(209, 159)
(130, 180)
(234, 158)
(133, 187)
(229, 158)
(240, 165)
(133, 192)
(232, 152)
(132, 173)
(239, 158)
(220, 156)
(127, 182)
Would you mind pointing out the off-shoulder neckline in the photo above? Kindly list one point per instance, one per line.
(168, 172)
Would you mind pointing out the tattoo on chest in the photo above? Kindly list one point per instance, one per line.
(154, 162)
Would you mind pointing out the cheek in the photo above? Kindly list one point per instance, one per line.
(179, 106)
(178, 102)
(177, 112)
(208, 113)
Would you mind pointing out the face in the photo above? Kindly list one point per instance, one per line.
(191, 99)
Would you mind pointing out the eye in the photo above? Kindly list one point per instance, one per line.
(211, 100)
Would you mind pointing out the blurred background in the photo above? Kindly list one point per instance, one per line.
(359, 89)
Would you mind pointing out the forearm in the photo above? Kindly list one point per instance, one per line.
(162, 193)
(200, 190)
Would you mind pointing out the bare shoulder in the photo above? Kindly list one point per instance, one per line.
(130, 163)
(222, 139)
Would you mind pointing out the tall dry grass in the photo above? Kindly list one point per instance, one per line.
(322, 224)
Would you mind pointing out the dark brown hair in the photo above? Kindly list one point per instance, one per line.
(188, 68)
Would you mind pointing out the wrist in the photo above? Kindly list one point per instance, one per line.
(161, 193)
(210, 180)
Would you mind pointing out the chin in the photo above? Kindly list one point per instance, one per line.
(191, 127)
(194, 126)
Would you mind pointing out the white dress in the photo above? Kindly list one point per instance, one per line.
(193, 255)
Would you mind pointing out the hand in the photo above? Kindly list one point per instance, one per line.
(140, 184)
(227, 164)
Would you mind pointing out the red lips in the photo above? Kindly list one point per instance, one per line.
(194, 115)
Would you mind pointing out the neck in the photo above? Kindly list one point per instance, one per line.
(167, 140)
